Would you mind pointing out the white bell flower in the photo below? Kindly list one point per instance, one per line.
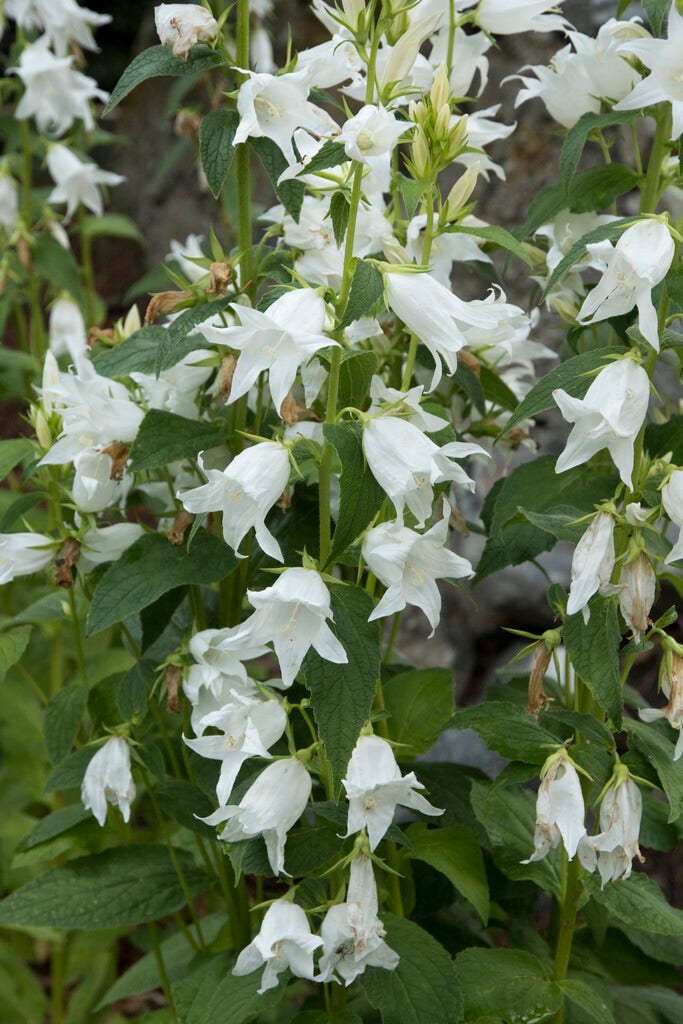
(219, 677)
(672, 688)
(330, 63)
(409, 563)
(94, 488)
(55, 94)
(672, 500)
(67, 333)
(274, 106)
(615, 846)
(107, 544)
(77, 182)
(64, 21)
(508, 17)
(560, 810)
(24, 553)
(405, 404)
(9, 203)
(248, 728)
(284, 941)
(374, 786)
(406, 464)
(279, 340)
(108, 779)
(592, 564)
(270, 807)
(183, 253)
(610, 416)
(352, 933)
(664, 57)
(638, 262)
(182, 26)
(293, 614)
(244, 492)
(372, 134)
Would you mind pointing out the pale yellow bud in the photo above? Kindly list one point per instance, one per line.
(441, 89)
(564, 308)
(132, 322)
(458, 133)
(417, 112)
(441, 125)
(420, 153)
(393, 250)
(461, 191)
(43, 432)
(352, 11)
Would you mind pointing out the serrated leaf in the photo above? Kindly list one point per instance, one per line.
(308, 851)
(660, 752)
(575, 375)
(54, 824)
(159, 61)
(420, 703)
(12, 647)
(133, 689)
(577, 136)
(411, 192)
(593, 649)
(185, 803)
(69, 773)
(360, 496)
(342, 695)
(588, 999)
(55, 264)
(192, 992)
(423, 989)
(661, 438)
(454, 852)
(578, 250)
(13, 452)
(138, 353)
(561, 522)
(655, 11)
(165, 437)
(637, 901)
(508, 729)
(355, 374)
(591, 189)
(183, 325)
(498, 235)
(63, 717)
(149, 568)
(235, 1001)
(290, 192)
(367, 288)
(509, 982)
(216, 149)
(115, 889)
(340, 211)
(496, 390)
(331, 154)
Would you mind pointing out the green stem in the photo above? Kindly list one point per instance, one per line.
(78, 643)
(570, 906)
(242, 172)
(165, 983)
(57, 967)
(651, 186)
(36, 332)
(325, 473)
(87, 267)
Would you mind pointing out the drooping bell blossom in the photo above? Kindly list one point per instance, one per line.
(672, 500)
(372, 134)
(615, 846)
(508, 17)
(55, 95)
(293, 614)
(592, 564)
(406, 463)
(9, 203)
(248, 728)
(108, 779)
(273, 106)
(405, 404)
(672, 688)
(183, 253)
(279, 340)
(67, 333)
(244, 492)
(664, 57)
(409, 563)
(435, 315)
(182, 26)
(94, 488)
(176, 389)
(270, 807)
(284, 941)
(352, 933)
(24, 553)
(64, 21)
(610, 416)
(219, 677)
(447, 248)
(330, 63)
(638, 262)
(77, 182)
(560, 810)
(107, 543)
(637, 585)
(374, 786)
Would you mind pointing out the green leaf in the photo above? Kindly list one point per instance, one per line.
(290, 192)
(660, 752)
(577, 136)
(20, 507)
(588, 999)
(235, 1000)
(495, 389)
(69, 773)
(498, 235)
(58, 266)
(355, 374)
(149, 568)
(420, 703)
(115, 889)
(412, 192)
(133, 689)
(423, 989)
(367, 288)
(508, 982)
(183, 325)
(507, 728)
(361, 496)
(655, 11)
(561, 522)
(63, 717)
(112, 225)
(591, 189)
(593, 650)
(159, 60)
(577, 251)
(637, 901)
(509, 817)
(186, 803)
(342, 695)
(331, 154)
(216, 149)
(454, 852)
(164, 437)
(13, 452)
(54, 824)
(138, 353)
(12, 647)
(192, 992)
(340, 210)
(308, 851)
(574, 375)
(661, 438)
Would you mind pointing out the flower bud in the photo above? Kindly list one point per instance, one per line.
(637, 593)
(461, 191)
(40, 425)
(441, 89)
(164, 302)
(353, 9)
(420, 153)
(441, 125)
(458, 132)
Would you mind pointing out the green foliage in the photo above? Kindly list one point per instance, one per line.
(164, 437)
(112, 225)
(157, 61)
(655, 11)
(420, 703)
(578, 135)
(367, 288)
(593, 650)
(360, 495)
(639, 902)
(290, 192)
(63, 717)
(506, 983)
(216, 148)
(499, 236)
(340, 211)
(12, 647)
(660, 753)
(455, 852)
(13, 452)
(507, 728)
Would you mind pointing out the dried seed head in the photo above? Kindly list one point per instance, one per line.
(164, 302)
(67, 557)
(181, 521)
